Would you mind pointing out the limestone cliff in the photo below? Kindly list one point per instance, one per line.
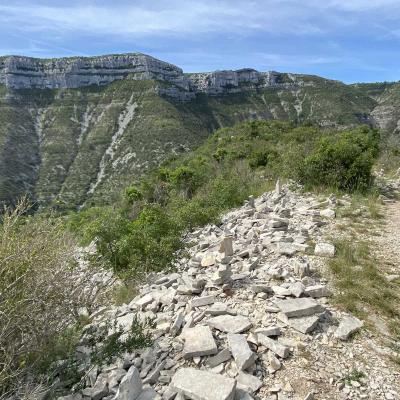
(17, 72)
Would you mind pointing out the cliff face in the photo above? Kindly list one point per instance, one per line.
(78, 130)
(18, 72)
(30, 73)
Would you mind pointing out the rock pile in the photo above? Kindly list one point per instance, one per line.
(237, 311)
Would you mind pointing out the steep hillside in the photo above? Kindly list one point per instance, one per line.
(79, 129)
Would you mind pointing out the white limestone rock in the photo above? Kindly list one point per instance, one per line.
(130, 386)
(230, 323)
(324, 250)
(348, 326)
(223, 356)
(199, 342)
(278, 348)
(203, 385)
(241, 352)
(317, 291)
(247, 382)
(301, 307)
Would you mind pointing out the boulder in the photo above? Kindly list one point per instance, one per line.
(269, 331)
(274, 363)
(297, 289)
(328, 213)
(203, 301)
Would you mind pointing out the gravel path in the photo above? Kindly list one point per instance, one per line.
(388, 242)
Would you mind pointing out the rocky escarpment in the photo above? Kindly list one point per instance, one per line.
(17, 72)
(247, 315)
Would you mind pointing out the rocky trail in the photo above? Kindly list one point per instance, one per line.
(388, 241)
(248, 315)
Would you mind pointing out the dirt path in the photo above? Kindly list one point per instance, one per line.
(388, 242)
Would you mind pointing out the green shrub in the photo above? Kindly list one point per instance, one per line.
(344, 162)
(106, 348)
(184, 179)
(132, 194)
(131, 248)
(220, 154)
(259, 159)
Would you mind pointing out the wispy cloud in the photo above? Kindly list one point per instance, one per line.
(178, 17)
(293, 61)
(189, 16)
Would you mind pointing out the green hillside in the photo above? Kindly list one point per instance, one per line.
(73, 147)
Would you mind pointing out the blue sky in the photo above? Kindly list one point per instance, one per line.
(350, 40)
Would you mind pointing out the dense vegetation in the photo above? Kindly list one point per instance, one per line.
(144, 232)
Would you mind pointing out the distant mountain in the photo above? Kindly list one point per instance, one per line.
(77, 130)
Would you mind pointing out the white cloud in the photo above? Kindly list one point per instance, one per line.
(179, 17)
(159, 17)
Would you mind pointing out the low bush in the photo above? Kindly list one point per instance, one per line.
(40, 293)
(343, 162)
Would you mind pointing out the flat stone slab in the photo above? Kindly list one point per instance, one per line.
(247, 382)
(324, 250)
(223, 356)
(278, 348)
(241, 352)
(203, 301)
(203, 385)
(230, 323)
(219, 309)
(348, 326)
(317, 291)
(301, 324)
(269, 331)
(301, 307)
(199, 342)
(144, 301)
